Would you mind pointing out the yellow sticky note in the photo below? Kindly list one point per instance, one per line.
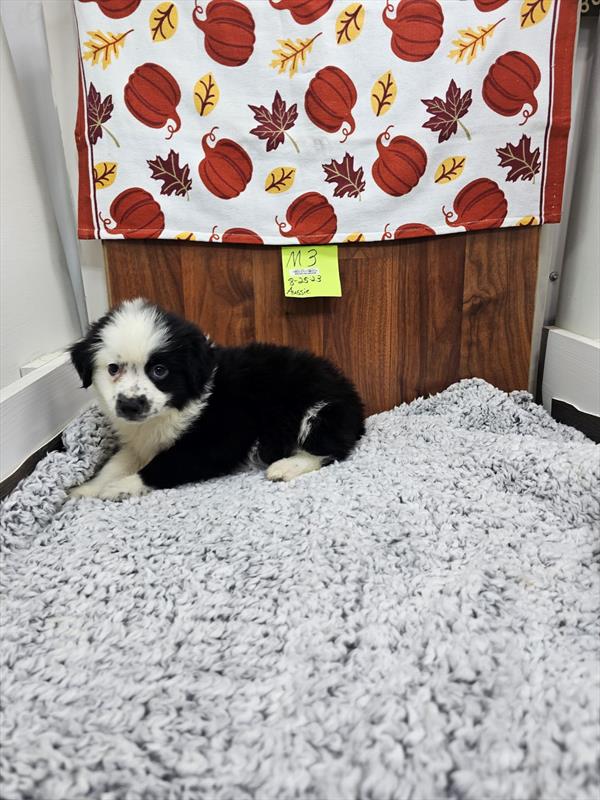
(311, 271)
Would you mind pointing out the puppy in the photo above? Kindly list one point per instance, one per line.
(186, 410)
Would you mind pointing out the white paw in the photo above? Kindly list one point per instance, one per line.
(130, 485)
(286, 469)
(89, 489)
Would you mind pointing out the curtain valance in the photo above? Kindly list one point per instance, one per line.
(315, 121)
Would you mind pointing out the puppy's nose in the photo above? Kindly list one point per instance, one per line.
(132, 407)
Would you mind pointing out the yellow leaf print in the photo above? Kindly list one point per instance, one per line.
(105, 173)
(471, 41)
(528, 222)
(187, 236)
(206, 94)
(534, 11)
(103, 46)
(163, 22)
(280, 179)
(291, 55)
(383, 94)
(450, 169)
(355, 237)
(349, 23)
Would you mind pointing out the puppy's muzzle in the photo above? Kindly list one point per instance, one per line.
(132, 408)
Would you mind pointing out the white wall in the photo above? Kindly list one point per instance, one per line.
(571, 369)
(553, 238)
(579, 298)
(62, 44)
(37, 314)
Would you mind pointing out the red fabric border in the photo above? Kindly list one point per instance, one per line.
(560, 122)
(86, 228)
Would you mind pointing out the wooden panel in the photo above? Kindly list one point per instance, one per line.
(396, 331)
(140, 269)
(431, 292)
(498, 300)
(218, 291)
(361, 333)
(280, 319)
(415, 315)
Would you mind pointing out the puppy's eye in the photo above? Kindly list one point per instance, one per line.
(113, 369)
(159, 371)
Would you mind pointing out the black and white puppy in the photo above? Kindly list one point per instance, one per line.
(186, 410)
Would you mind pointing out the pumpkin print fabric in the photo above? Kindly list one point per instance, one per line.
(317, 121)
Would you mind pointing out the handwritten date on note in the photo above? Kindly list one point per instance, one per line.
(311, 271)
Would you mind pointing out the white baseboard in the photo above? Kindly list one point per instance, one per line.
(35, 409)
(572, 371)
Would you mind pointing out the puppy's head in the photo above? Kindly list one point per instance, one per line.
(143, 360)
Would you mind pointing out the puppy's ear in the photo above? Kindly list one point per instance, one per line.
(82, 352)
(200, 361)
(82, 357)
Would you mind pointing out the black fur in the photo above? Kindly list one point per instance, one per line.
(189, 358)
(260, 394)
(82, 352)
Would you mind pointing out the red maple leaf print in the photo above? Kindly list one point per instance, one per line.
(446, 114)
(349, 181)
(175, 179)
(99, 111)
(524, 164)
(274, 124)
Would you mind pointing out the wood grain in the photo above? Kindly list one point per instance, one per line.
(498, 302)
(431, 290)
(280, 319)
(135, 269)
(415, 316)
(361, 334)
(218, 291)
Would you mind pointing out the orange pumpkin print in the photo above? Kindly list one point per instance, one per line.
(329, 100)
(416, 29)
(302, 92)
(152, 95)
(411, 230)
(226, 168)
(400, 165)
(303, 11)
(136, 215)
(480, 204)
(116, 9)
(311, 218)
(228, 31)
(510, 84)
(489, 5)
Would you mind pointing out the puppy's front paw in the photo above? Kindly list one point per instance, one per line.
(130, 485)
(89, 489)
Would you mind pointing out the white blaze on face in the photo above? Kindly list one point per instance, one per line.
(128, 340)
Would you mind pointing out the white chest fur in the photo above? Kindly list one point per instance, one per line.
(144, 440)
(148, 438)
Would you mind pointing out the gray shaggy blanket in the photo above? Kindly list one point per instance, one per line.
(418, 622)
